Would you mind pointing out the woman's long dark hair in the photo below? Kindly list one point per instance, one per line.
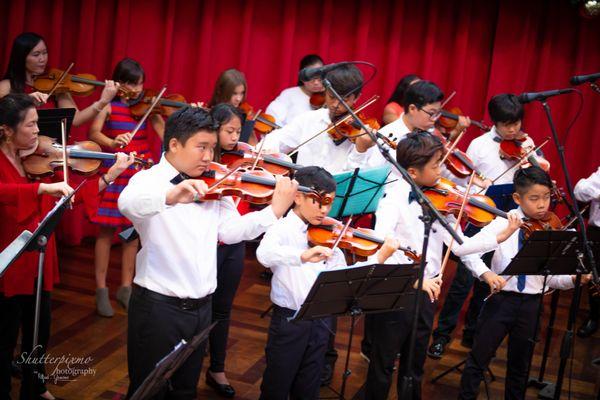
(401, 87)
(15, 72)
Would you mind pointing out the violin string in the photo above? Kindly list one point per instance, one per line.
(60, 79)
(147, 113)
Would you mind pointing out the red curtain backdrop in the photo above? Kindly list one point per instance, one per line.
(476, 48)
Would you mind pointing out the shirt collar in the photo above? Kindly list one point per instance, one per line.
(494, 135)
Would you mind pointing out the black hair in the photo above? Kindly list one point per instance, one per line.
(420, 94)
(128, 71)
(505, 108)
(21, 47)
(222, 113)
(346, 80)
(13, 108)
(417, 148)
(398, 94)
(317, 178)
(185, 123)
(525, 178)
(307, 61)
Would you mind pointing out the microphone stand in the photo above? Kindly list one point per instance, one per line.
(567, 342)
(430, 215)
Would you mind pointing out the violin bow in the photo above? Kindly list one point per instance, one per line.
(252, 168)
(341, 235)
(63, 134)
(535, 149)
(335, 124)
(453, 145)
(448, 99)
(60, 79)
(456, 225)
(148, 111)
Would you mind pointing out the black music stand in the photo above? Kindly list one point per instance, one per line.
(355, 291)
(165, 368)
(36, 241)
(546, 253)
(49, 122)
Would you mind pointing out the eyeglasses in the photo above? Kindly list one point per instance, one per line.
(432, 114)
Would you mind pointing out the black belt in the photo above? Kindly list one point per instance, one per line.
(184, 304)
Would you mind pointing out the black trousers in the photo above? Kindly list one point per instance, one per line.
(457, 294)
(390, 333)
(19, 311)
(230, 264)
(505, 313)
(594, 301)
(155, 327)
(295, 355)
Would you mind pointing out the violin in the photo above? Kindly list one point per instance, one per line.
(254, 186)
(550, 222)
(245, 155)
(79, 85)
(359, 241)
(449, 119)
(83, 157)
(457, 161)
(265, 123)
(166, 106)
(479, 210)
(317, 100)
(351, 129)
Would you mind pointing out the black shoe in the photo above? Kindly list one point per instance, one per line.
(327, 375)
(437, 348)
(588, 329)
(221, 389)
(467, 342)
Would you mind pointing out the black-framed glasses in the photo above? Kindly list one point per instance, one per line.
(432, 114)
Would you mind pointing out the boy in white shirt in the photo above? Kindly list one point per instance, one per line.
(513, 310)
(295, 350)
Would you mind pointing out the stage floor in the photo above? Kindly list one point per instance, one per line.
(101, 343)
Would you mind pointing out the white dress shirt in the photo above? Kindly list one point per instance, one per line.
(588, 190)
(179, 243)
(398, 218)
(280, 250)
(506, 251)
(290, 103)
(484, 151)
(321, 151)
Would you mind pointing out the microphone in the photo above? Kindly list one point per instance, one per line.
(541, 96)
(306, 74)
(579, 79)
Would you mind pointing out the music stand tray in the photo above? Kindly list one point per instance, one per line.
(49, 122)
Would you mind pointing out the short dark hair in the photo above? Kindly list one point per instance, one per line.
(317, 178)
(421, 93)
(417, 148)
(401, 87)
(21, 47)
(185, 123)
(505, 108)
(128, 71)
(307, 61)
(346, 80)
(13, 108)
(222, 113)
(525, 178)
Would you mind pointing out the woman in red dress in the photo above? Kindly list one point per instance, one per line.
(111, 130)
(28, 59)
(23, 204)
(393, 110)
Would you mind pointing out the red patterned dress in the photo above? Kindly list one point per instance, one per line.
(120, 121)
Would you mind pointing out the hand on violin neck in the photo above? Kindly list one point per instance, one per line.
(283, 195)
(494, 281)
(514, 223)
(388, 248)
(186, 191)
(123, 161)
(111, 88)
(483, 183)
(316, 254)
(363, 143)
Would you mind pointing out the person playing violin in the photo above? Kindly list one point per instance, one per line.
(393, 109)
(399, 215)
(323, 151)
(23, 204)
(111, 129)
(294, 101)
(28, 59)
(512, 310)
(295, 351)
(176, 268)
